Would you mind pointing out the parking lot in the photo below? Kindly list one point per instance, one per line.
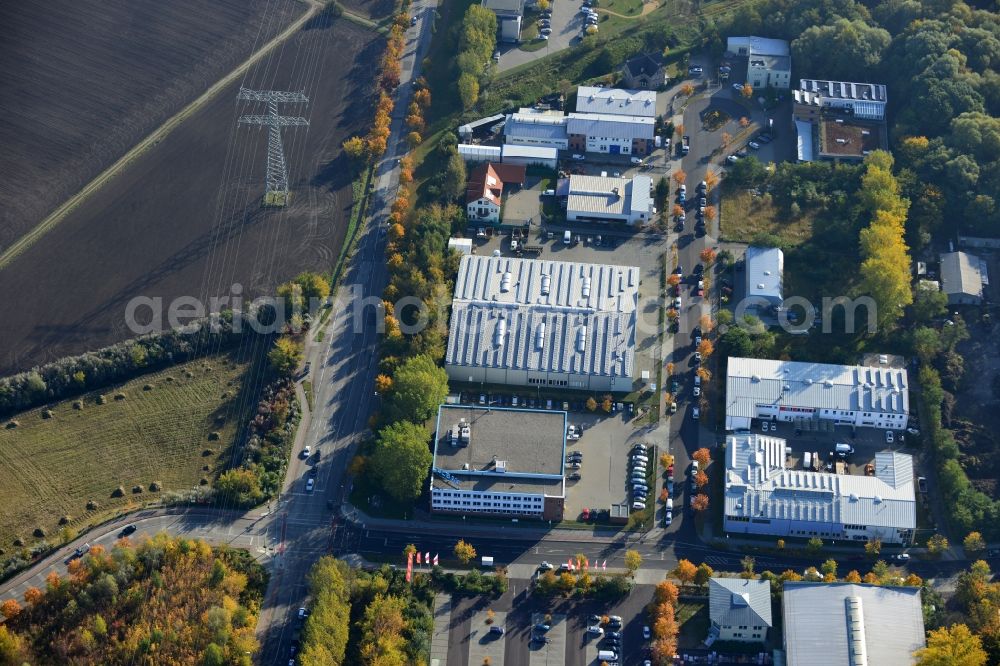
(523, 642)
(605, 445)
(865, 441)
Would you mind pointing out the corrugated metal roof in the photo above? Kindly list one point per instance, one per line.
(640, 200)
(960, 274)
(758, 485)
(553, 316)
(611, 127)
(473, 151)
(540, 152)
(616, 101)
(738, 602)
(753, 381)
(818, 624)
(764, 269)
(535, 126)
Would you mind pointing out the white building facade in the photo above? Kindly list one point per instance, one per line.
(849, 395)
(603, 199)
(764, 496)
(769, 61)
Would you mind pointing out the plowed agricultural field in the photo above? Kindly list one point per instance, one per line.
(82, 81)
(374, 9)
(185, 218)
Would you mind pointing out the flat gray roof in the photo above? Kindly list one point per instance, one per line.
(961, 274)
(872, 92)
(528, 443)
(764, 268)
(839, 624)
(610, 126)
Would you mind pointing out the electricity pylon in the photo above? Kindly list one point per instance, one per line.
(276, 188)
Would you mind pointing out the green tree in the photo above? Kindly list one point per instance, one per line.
(814, 545)
(419, 388)
(929, 304)
(401, 459)
(748, 563)
(286, 355)
(454, 177)
(937, 544)
(926, 343)
(838, 49)
(464, 551)
(633, 560)
(952, 646)
(468, 90)
(213, 656)
(747, 172)
(873, 546)
(829, 568)
(703, 574)
(239, 487)
(11, 648)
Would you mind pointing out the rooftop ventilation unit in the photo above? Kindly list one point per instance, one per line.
(505, 282)
(754, 378)
(540, 336)
(827, 383)
(581, 339)
(501, 332)
(877, 499)
(854, 497)
(546, 284)
(501, 466)
(586, 287)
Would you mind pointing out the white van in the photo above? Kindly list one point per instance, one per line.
(807, 460)
(567, 237)
(606, 655)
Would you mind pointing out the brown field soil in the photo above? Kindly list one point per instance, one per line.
(184, 219)
(84, 80)
(373, 9)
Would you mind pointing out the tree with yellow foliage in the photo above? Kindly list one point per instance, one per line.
(684, 571)
(951, 646)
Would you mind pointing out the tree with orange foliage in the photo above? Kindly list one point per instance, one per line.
(703, 456)
(33, 595)
(700, 502)
(413, 139)
(711, 179)
(705, 374)
(706, 348)
(395, 261)
(396, 232)
(701, 479)
(354, 147)
(383, 384)
(707, 256)
(727, 138)
(680, 176)
(852, 576)
(662, 651)
(674, 280)
(666, 593)
(685, 571)
(10, 609)
(747, 90)
(705, 321)
(678, 210)
(679, 129)
(423, 98)
(53, 581)
(687, 89)
(710, 213)
(400, 205)
(415, 122)
(744, 122)
(663, 491)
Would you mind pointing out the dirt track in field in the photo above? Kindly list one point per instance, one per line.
(84, 80)
(184, 218)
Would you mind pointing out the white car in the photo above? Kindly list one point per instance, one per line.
(738, 86)
(694, 467)
(903, 557)
(635, 160)
(310, 484)
(306, 452)
(677, 303)
(697, 391)
(595, 630)
(543, 37)
(754, 145)
(889, 437)
(577, 157)
(645, 632)
(733, 159)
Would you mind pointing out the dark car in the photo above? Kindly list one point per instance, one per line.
(575, 476)
(128, 529)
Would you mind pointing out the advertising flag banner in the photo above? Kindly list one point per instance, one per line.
(409, 567)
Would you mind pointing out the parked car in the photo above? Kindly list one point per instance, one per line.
(889, 437)
(754, 145)
(545, 566)
(738, 86)
(645, 632)
(310, 484)
(635, 160)
(732, 159)
(575, 476)
(577, 157)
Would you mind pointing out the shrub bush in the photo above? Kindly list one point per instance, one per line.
(136, 490)
(78, 404)
(118, 492)
(39, 533)
(47, 414)
(64, 520)
(92, 505)
(155, 487)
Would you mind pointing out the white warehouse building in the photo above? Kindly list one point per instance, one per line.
(764, 496)
(533, 322)
(603, 199)
(851, 395)
(765, 267)
(499, 461)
